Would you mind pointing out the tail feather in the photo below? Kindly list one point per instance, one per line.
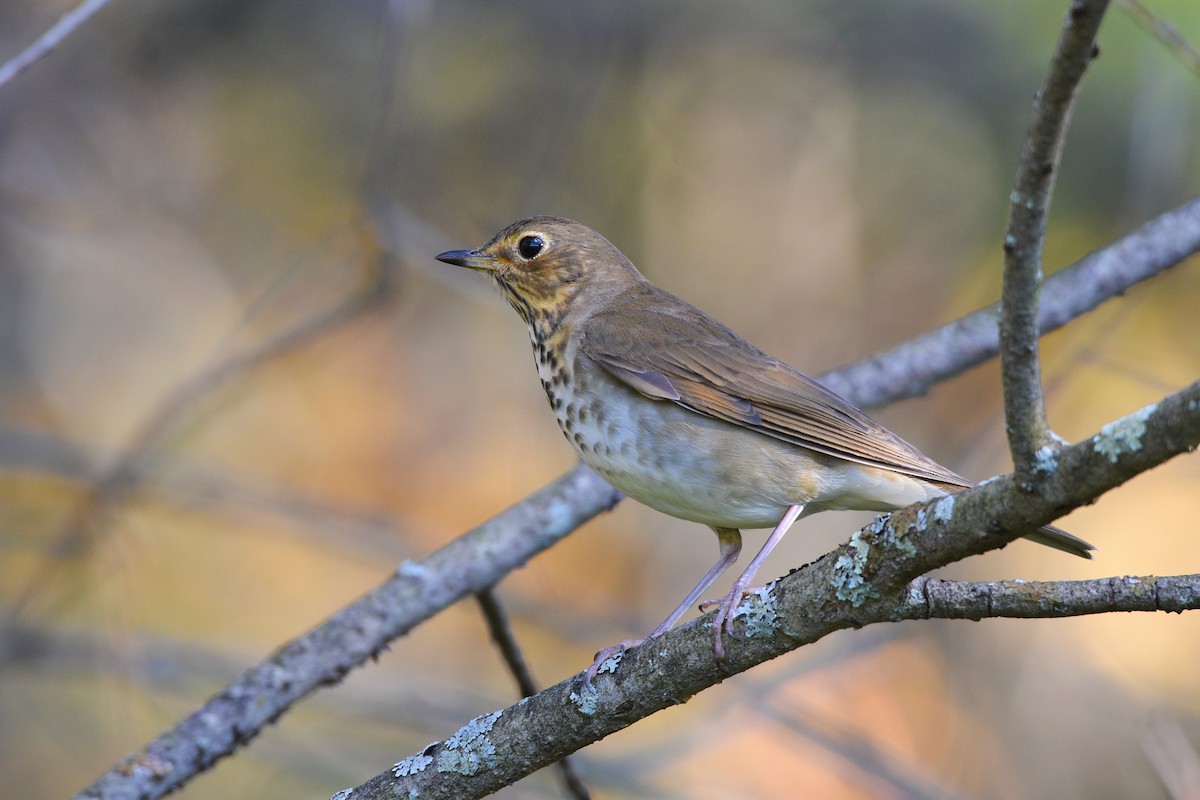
(1061, 540)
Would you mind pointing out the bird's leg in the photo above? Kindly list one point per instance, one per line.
(730, 542)
(741, 587)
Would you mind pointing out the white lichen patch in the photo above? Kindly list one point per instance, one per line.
(415, 763)
(1045, 460)
(411, 569)
(759, 612)
(916, 592)
(1124, 435)
(344, 794)
(585, 700)
(1021, 200)
(848, 581)
(943, 509)
(610, 664)
(470, 750)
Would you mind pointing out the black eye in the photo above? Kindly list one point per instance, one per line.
(530, 246)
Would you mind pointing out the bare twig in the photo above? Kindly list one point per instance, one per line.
(510, 650)
(501, 633)
(67, 24)
(869, 580)
(1165, 31)
(1024, 403)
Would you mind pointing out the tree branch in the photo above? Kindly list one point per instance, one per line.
(416, 591)
(1024, 404)
(874, 578)
(933, 598)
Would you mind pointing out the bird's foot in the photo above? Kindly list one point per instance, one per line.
(603, 657)
(726, 606)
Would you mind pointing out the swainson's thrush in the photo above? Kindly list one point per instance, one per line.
(682, 414)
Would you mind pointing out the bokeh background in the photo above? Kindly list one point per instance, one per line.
(218, 303)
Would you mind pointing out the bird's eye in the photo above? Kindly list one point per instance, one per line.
(530, 246)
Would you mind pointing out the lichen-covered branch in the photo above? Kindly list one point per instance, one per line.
(871, 579)
(416, 591)
(1024, 404)
(933, 598)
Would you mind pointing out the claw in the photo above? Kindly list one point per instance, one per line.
(604, 655)
(726, 608)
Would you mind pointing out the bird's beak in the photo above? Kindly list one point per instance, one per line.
(471, 259)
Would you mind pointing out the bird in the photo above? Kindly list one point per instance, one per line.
(678, 412)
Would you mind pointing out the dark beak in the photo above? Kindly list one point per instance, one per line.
(471, 259)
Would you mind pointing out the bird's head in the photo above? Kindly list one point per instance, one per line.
(546, 266)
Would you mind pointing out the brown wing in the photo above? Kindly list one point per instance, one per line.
(705, 367)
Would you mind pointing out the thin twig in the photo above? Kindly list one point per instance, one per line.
(1165, 31)
(510, 650)
(42, 46)
(501, 632)
(1024, 403)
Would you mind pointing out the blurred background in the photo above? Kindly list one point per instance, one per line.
(236, 389)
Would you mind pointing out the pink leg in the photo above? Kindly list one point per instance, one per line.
(741, 587)
(730, 542)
